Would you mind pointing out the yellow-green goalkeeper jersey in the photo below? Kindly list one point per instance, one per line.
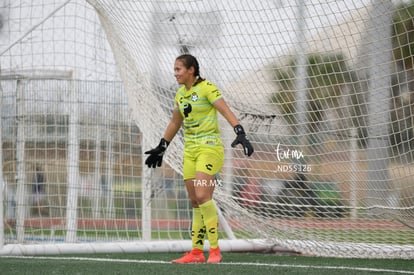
(200, 120)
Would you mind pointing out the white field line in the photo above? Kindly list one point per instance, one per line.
(394, 271)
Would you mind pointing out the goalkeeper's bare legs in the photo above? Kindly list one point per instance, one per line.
(205, 220)
(200, 189)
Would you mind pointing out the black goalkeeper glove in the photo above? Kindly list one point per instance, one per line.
(243, 140)
(155, 155)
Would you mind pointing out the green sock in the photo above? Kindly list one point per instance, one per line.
(198, 230)
(210, 218)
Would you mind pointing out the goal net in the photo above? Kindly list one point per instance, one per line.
(323, 89)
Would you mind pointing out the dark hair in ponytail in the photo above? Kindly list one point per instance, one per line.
(190, 61)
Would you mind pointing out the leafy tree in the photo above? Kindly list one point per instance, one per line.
(402, 134)
(326, 76)
(403, 35)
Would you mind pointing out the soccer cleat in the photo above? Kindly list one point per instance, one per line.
(215, 256)
(195, 256)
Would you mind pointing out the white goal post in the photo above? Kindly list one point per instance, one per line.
(324, 89)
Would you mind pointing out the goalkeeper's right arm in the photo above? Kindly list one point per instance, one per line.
(155, 155)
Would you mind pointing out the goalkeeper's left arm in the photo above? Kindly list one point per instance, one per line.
(241, 138)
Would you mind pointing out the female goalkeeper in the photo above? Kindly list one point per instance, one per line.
(196, 105)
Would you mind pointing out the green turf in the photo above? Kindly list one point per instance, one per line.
(234, 263)
(396, 237)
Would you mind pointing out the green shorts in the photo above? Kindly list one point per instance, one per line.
(206, 159)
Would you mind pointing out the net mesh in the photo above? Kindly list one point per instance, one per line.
(322, 87)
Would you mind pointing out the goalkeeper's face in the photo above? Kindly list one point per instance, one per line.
(182, 74)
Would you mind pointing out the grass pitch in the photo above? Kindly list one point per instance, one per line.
(234, 263)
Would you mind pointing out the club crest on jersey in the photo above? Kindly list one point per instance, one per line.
(194, 97)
